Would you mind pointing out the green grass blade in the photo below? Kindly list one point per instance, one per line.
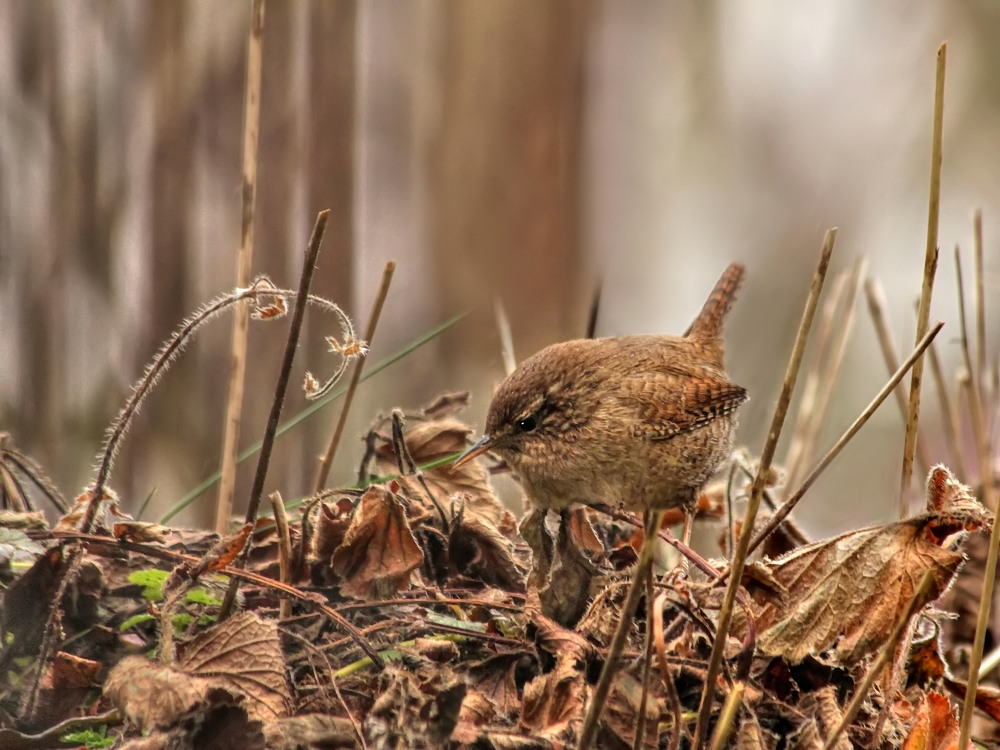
(309, 411)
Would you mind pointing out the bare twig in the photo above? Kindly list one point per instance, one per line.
(244, 261)
(673, 699)
(331, 449)
(930, 265)
(284, 549)
(281, 386)
(987, 484)
(876, 306)
(757, 491)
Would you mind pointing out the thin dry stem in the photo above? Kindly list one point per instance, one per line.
(781, 513)
(727, 716)
(987, 484)
(244, 262)
(949, 413)
(757, 490)
(979, 302)
(284, 549)
(506, 339)
(323, 472)
(643, 569)
(930, 265)
(876, 306)
(835, 357)
(673, 699)
(883, 658)
(647, 667)
(794, 460)
(595, 310)
(280, 388)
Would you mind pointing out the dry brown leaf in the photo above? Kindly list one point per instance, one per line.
(414, 711)
(151, 695)
(310, 731)
(379, 552)
(821, 705)
(332, 522)
(555, 700)
(478, 550)
(241, 656)
(935, 726)
(987, 698)
(851, 590)
(245, 653)
(494, 678)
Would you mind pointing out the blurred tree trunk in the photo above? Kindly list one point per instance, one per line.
(503, 167)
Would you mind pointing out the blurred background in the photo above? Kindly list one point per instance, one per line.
(504, 149)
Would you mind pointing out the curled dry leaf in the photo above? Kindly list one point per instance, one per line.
(935, 726)
(849, 591)
(241, 655)
(477, 549)
(379, 552)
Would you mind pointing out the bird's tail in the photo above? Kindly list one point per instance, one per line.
(707, 327)
(708, 324)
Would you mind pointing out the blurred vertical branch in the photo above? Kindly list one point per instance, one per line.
(241, 317)
(504, 162)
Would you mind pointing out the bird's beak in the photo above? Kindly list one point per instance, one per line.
(477, 449)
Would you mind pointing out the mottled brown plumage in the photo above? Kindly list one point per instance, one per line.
(637, 422)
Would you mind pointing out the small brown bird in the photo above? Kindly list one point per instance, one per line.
(637, 422)
(640, 422)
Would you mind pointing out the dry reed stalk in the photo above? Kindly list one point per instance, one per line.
(987, 492)
(843, 326)
(757, 490)
(948, 412)
(244, 262)
(930, 265)
(876, 306)
(781, 513)
(794, 462)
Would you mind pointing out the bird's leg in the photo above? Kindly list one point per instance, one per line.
(643, 569)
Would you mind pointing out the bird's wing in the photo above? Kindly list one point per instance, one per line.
(671, 401)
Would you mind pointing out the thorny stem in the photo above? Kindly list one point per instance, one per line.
(331, 449)
(757, 491)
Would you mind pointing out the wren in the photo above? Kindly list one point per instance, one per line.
(635, 422)
(638, 422)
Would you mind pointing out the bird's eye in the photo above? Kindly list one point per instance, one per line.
(527, 424)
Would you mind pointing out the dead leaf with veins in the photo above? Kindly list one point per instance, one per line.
(849, 591)
(241, 656)
(379, 552)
